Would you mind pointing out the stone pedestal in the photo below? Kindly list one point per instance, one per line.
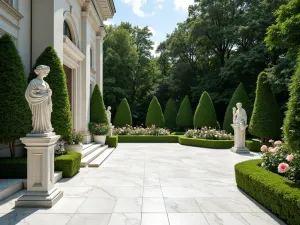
(110, 132)
(239, 138)
(40, 171)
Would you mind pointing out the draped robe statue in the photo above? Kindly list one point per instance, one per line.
(38, 95)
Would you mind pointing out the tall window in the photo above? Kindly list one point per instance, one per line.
(91, 58)
(11, 2)
(67, 31)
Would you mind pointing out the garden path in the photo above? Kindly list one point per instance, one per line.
(150, 184)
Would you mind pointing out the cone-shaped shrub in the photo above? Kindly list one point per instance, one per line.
(154, 114)
(61, 116)
(205, 115)
(291, 126)
(240, 95)
(123, 115)
(184, 119)
(15, 119)
(266, 119)
(97, 110)
(170, 114)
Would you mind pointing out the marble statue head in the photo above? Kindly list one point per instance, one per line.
(42, 70)
(109, 108)
(239, 105)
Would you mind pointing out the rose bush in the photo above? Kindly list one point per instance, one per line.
(129, 130)
(74, 138)
(208, 133)
(278, 160)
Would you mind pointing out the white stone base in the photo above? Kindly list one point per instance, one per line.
(240, 150)
(37, 199)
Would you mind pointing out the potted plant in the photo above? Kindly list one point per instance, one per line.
(73, 142)
(99, 130)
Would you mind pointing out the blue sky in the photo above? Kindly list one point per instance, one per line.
(160, 15)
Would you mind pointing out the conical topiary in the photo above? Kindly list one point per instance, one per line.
(266, 118)
(61, 116)
(15, 121)
(97, 109)
(240, 95)
(205, 115)
(184, 119)
(154, 114)
(123, 115)
(291, 126)
(170, 114)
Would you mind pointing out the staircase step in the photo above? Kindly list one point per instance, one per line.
(57, 177)
(90, 149)
(10, 186)
(88, 145)
(100, 159)
(89, 158)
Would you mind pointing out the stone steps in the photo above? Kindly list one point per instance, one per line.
(89, 149)
(100, 159)
(10, 186)
(90, 157)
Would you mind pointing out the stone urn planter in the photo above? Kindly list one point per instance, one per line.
(100, 139)
(74, 148)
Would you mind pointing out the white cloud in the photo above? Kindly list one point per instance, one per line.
(153, 52)
(153, 31)
(159, 6)
(107, 23)
(137, 6)
(159, 0)
(183, 4)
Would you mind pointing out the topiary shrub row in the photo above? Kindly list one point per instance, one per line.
(154, 114)
(170, 114)
(184, 119)
(218, 144)
(123, 115)
(148, 139)
(69, 164)
(13, 168)
(112, 141)
(278, 194)
(97, 109)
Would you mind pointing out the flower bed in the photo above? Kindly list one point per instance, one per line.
(208, 133)
(140, 131)
(278, 194)
(148, 139)
(218, 144)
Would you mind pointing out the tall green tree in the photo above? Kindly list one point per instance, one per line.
(61, 116)
(170, 114)
(266, 118)
(97, 108)
(184, 119)
(14, 110)
(240, 95)
(123, 115)
(155, 115)
(205, 115)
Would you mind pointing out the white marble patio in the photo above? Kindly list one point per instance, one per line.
(150, 184)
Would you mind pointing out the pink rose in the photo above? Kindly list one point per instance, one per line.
(283, 168)
(263, 148)
(273, 150)
(271, 141)
(278, 143)
(290, 157)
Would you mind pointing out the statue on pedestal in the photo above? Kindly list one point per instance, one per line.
(108, 114)
(239, 125)
(38, 95)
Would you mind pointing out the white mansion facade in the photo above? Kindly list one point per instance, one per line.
(75, 29)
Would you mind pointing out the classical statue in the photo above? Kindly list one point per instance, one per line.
(239, 114)
(38, 95)
(108, 113)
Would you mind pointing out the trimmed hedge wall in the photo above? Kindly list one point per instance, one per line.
(254, 146)
(69, 164)
(13, 168)
(178, 133)
(112, 141)
(218, 144)
(278, 194)
(148, 139)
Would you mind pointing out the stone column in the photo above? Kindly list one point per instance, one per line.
(40, 171)
(239, 138)
(99, 58)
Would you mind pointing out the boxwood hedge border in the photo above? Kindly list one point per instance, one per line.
(278, 194)
(148, 139)
(218, 144)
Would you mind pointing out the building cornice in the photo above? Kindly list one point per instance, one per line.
(107, 8)
(11, 10)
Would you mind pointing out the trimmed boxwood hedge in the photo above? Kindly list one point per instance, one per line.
(112, 141)
(278, 194)
(69, 164)
(148, 139)
(218, 144)
(254, 146)
(13, 168)
(178, 133)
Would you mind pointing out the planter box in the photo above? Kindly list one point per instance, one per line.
(100, 139)
(74, 148)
